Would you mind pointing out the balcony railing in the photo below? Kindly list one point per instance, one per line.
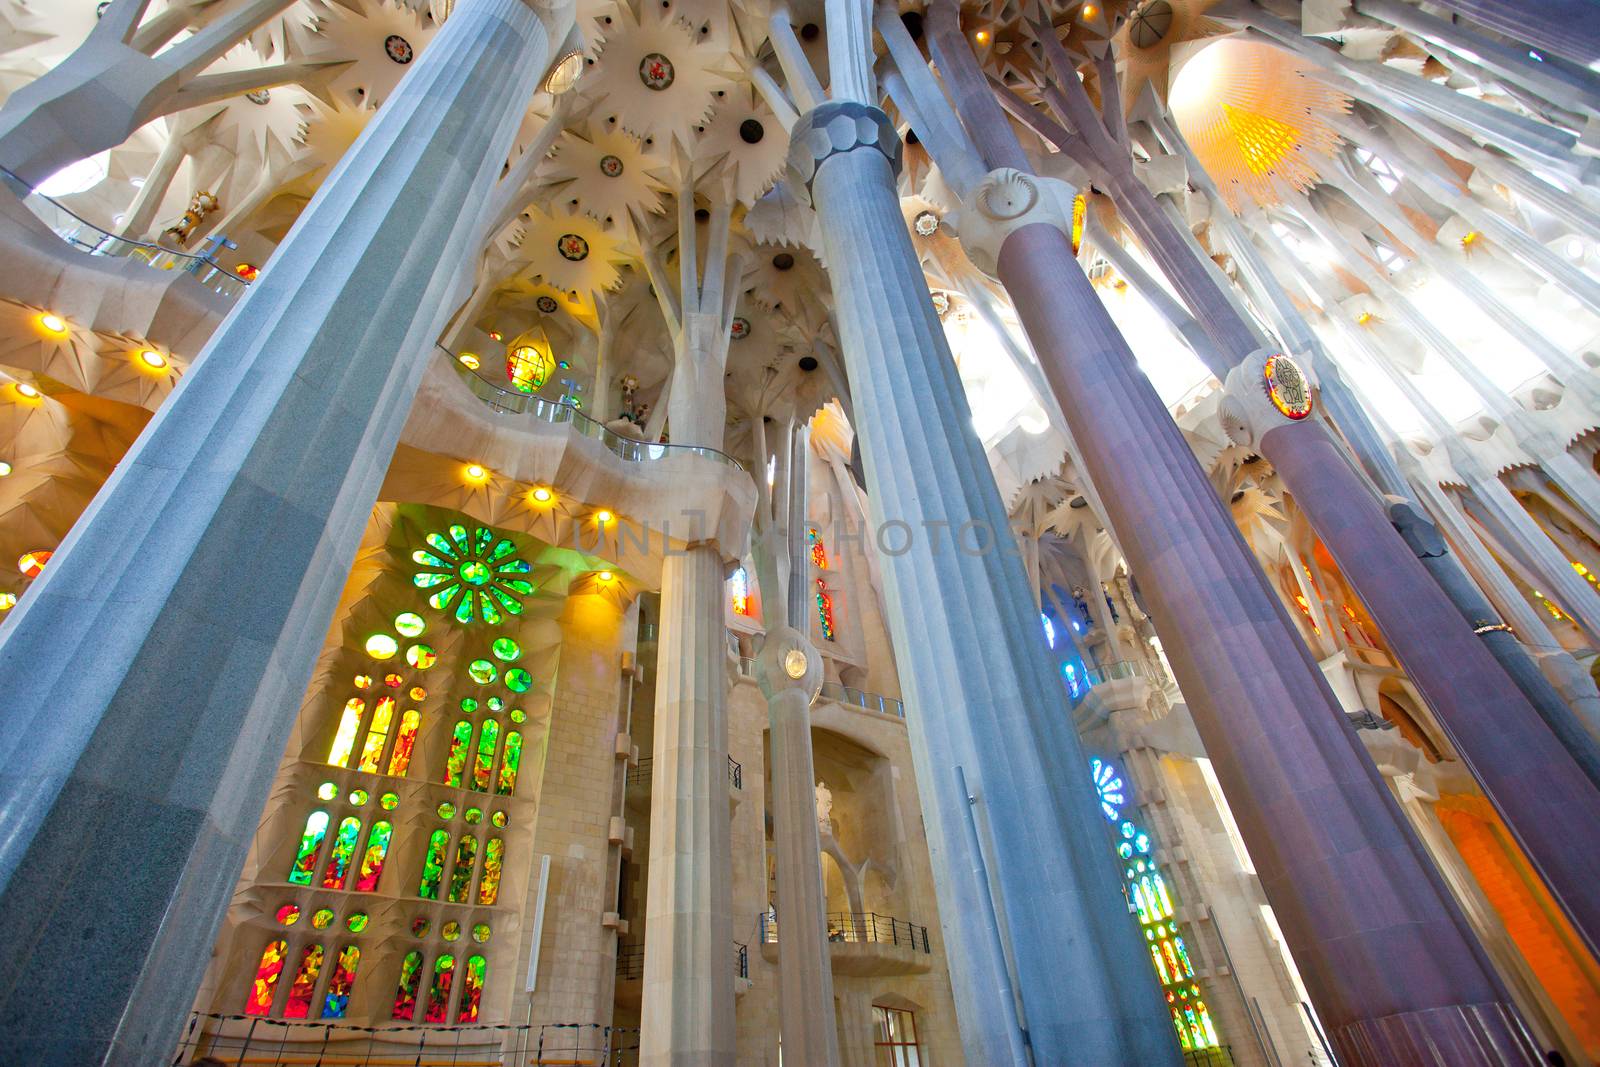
(640, 775)
(861, 928)
(85, 236)
(856, 698)
(630, 961)
(512, 402)
(212, 1037)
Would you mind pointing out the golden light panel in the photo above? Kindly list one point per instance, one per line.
(1255, 115)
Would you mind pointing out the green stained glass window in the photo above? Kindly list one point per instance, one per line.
(358, 797)
(451, 931)
(305, 984)
(447, 810)
(357, 922)
(493, 861)
(480, 933)
(372, 860)
(469, 705)
(422, 657)
(461, 873)
(305, 859)
(433, 865)
(518, 715)
(483, 672)
(505, 649)
(344, 849)
(405, 994)
(420, 926)
(498, 818)
(472, 815)
(488, 739)
(322, 918)
(409, 624)
(456, 762)
(495, 703)
(388, 801)
(337, 999)
(518, 680)
(471, 989)
(327, 791)
(469, 578)
(509, 764)
(444, 972)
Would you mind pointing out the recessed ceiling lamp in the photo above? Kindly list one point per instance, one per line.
(152, 359)
(28, 391)
(564, 73)
(52, 323)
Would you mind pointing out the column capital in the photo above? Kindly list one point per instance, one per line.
(1005, 201)
(832, 129)
(1265, 391)
(777, 664)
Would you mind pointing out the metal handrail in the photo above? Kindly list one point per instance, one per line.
(630, 961)
(511, 402)
(883, 705)
(860, 927)
(641, 774)
(84, 235)
(741, 959)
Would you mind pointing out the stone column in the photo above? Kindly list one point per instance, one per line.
(686, 1016)
(154, 671)
(1564, 28)
(999, 716)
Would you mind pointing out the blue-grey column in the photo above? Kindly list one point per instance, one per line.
(1565, 28)
(982, 693)
(152, 674)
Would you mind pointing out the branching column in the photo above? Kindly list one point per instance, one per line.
(155, 669)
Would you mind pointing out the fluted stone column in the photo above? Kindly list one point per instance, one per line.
(983, 696)
(152, 674)
(1563, 28)
(805, 970)
(686, 1019)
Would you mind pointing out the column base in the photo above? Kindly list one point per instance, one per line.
(1459, 1035)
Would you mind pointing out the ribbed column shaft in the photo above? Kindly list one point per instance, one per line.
(153, 673)
(1397, 979)
(1563, 28)
(999, 714)
(686, 1019)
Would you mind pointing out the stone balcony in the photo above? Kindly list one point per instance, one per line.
(864, 943)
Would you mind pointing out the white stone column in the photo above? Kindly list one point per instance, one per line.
(686, 1019)
(153, 672)
(983, 696)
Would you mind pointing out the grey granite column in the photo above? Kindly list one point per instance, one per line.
(1565, 28)
(983, 696)
(153, 672)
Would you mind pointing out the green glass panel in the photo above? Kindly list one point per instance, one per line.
(461, 873)
(471, 990)
(443, 597)
(428, 559)
(518, 680)
(493, 859)
(491, 614)
(481, 541)
(409, 624)
(502, 549)
(488, 738)
(509, 764)
(505, 649)
(444, 971)
(464, 609)
(458, 534)
(460, 740)
(305, 860)
(516, 566)
(428, 581)
(438, 541)
(433, 865)
(469, 705)
(475, 572)
(483, 672)
(405, 995)
(344, 849)
(337, 999)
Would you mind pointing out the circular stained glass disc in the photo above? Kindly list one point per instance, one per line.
(480, 932)
(358, 797)
(357, 922)
(518, 715)
(447, 810)
(451, 930)
(473, 815)
(420, 926)
(388, 801)
(469, 705)
(421, 657)
(409, 624)
(382, 646)
(289, 914)
(498, 818)
(505, 649)
(475, 572)
(327, 791)
(482, 671)
(321, 918)
(518, 680)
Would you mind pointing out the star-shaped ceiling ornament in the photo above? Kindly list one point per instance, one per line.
(570, 251)
(607, 176)
(380, 40)
(743, 143)
(656, 75)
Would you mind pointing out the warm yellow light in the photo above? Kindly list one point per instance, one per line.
(542, 495)
(494, 335)
(468, 360)
(1363, 318)
(982, 36)
(5, 468)
(602, 517)
(7, 601)
(1469, 237)
(52, 323)
(152, 359)
(476, 473)
(606, 576)
(30, 392)
(1090, 11)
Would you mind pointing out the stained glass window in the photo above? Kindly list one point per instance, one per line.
(825, 610)
(344, 850)
(461, 873)
(305, 984)
(344, 740)
(518, 681)
(377, 735)
(337, 999)
(1155, 906)
(819, 554)
(265, 983)
(405, 994)
(305, 860)
(488, 738)
(509, 764)
(456, 762)
(471, 989)
(372, 859)
(490, 583)
(489, 883)
(739, 590)
(444, 971)
(404, 742)
(433, 865)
